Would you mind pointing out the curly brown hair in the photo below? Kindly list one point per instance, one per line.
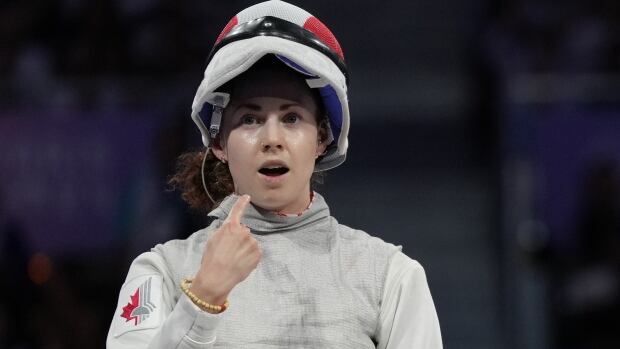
(188, 179)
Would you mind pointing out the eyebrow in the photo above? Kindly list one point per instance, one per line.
(256, 107)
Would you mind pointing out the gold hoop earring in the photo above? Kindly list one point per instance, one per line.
(202, 174)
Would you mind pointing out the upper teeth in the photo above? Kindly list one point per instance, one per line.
(272, 167)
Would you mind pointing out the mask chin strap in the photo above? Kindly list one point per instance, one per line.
(219, 101)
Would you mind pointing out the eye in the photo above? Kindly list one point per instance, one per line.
(248, 119)
(291, 118)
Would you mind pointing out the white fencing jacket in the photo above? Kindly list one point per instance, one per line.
(319, 284)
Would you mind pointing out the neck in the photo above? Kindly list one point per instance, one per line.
(297, 212)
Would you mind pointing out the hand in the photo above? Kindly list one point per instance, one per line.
(229, 257)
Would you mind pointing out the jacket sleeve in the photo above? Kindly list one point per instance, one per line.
(408, 318)
(147, 315)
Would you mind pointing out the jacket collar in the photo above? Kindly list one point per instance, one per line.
(262, 221)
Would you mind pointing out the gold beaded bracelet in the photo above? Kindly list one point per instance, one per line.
(199, 302)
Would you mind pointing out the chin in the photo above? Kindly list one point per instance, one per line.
(271, 200)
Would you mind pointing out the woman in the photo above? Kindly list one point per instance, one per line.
(274, 269)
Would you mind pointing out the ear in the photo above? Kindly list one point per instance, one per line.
(322, 138)
(218, 150)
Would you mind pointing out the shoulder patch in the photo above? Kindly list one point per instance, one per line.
(139, 305)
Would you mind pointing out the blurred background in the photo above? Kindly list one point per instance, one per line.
(484, 139)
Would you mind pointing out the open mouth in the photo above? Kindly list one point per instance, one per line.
(273, 171)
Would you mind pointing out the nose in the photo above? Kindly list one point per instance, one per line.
(272, 136)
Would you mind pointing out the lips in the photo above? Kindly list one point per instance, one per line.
(273, 168)
(273, 171)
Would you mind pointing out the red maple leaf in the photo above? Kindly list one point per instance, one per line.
(135, 301)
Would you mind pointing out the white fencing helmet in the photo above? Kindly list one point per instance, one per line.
(300, 41)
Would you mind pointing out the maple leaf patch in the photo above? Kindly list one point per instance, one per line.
(139, 305)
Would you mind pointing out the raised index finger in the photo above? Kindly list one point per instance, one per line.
(237, 210)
